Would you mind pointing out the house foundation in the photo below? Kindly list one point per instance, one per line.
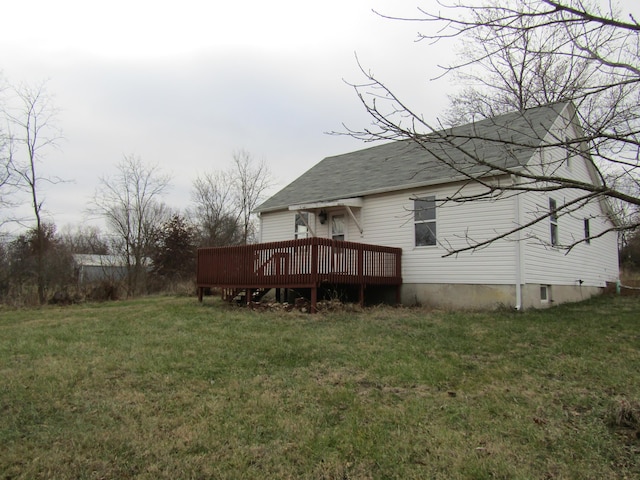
(487, 297)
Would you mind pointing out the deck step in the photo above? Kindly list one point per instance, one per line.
(239, 295)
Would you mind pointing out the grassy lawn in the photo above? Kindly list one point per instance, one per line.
(168, 388)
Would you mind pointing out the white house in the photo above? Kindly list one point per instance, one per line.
(416, 197)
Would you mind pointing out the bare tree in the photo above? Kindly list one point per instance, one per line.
(84, 239)
(129, 201)
(5, 173)
(505, 70)
(6, 186)
(224, 201)
(31, 117)
(250, 180)
(531, 52)
(5, 157)
(214, 210)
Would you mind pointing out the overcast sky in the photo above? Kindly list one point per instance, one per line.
(185, 84)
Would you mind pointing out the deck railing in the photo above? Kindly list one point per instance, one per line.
(300, 263)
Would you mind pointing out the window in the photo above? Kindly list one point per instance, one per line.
(553, 221)
(337, 227)
(567, 142)
(301, 228)
(587, 231)
(424, 216)
(545, 293)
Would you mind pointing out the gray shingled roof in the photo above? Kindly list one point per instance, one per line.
(508, 140)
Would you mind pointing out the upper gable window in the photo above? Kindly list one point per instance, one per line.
(587, 231)
(568, 153)
(301, 228)
(424, 217)
(553, 221)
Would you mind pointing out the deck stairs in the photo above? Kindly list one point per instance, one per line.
(239, 295)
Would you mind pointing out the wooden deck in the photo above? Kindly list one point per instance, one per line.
(305, 263)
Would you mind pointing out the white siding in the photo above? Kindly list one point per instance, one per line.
(277, 226)
(388, 220)
(593, 264)
(586, 264)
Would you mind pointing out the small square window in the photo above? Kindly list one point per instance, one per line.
(544, 293)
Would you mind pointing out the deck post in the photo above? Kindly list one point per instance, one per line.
(361, 274)
(314, 299)
(314, 275)
(249, 296)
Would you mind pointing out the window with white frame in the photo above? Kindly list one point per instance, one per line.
(553, 221)
(424, 217)
(301, 225)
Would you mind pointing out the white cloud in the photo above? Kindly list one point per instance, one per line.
(161, 28)
(185, 86)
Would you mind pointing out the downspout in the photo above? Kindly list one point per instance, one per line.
(519, 255)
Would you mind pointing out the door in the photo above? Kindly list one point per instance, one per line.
(339, 232)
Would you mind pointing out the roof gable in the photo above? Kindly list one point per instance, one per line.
(511, 138)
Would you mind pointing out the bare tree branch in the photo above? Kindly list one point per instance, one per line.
(31, 126)
(130, 203)
(519, 55)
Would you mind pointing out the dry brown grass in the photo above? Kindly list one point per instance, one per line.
(626, 414)
(630, 277)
